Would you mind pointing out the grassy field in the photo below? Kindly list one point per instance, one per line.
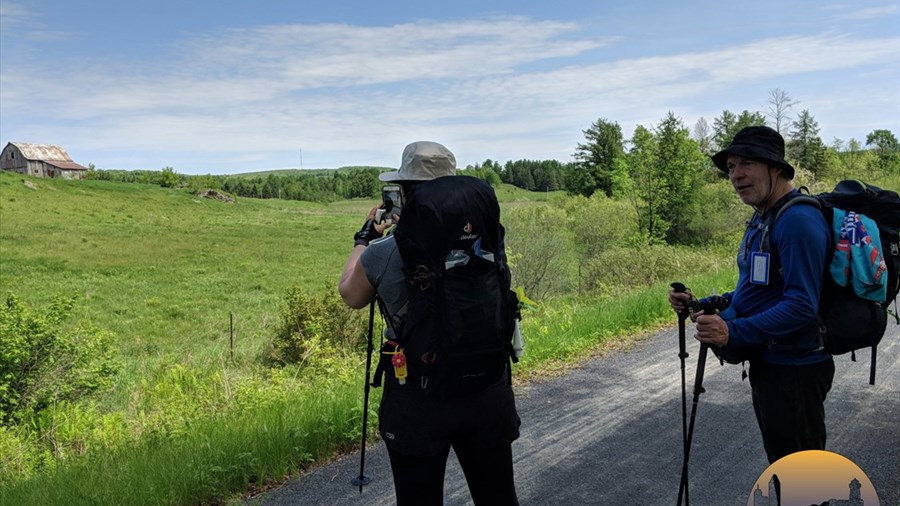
(163, 271)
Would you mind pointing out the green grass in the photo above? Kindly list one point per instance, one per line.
(564, 331)
(162, 270)
(218, 457)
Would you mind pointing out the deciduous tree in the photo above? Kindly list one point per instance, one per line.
(886, 148)
(780, 103)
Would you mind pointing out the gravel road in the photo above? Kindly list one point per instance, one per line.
(609, 432)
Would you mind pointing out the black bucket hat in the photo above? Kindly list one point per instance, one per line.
(756, 143)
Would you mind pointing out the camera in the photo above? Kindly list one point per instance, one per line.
(392, 202)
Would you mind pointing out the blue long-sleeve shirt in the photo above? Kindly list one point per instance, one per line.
(784, 308)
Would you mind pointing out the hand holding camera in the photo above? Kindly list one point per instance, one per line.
(382, 217)
(391, 203)
(368, 233)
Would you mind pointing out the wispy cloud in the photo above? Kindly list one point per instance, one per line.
(243, 94)
(874, 12)
(19, 22)
(12, 15)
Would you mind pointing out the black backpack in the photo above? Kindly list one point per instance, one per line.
(457, 331)
(848, 322)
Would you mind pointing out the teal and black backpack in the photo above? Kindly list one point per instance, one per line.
(863, 264)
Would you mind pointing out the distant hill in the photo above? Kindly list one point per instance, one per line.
(314, 172)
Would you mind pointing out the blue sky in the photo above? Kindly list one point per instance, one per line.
(238, 86)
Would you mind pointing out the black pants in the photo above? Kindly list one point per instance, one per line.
(419, 432)
(789, 402)
(488, 471)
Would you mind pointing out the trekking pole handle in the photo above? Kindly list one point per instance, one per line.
(680, 288)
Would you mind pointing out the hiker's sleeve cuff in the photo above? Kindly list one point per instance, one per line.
(728, 314)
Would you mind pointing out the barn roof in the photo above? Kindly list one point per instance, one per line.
(43, 152)
(62, 164)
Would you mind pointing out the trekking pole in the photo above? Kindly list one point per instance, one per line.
(682, 354)
(363, 480)
(698, 389)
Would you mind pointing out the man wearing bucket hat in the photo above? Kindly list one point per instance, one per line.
(771, 318)
(418, 429)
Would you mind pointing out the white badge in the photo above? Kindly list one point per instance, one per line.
(759, 268)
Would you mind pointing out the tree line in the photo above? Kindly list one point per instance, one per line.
(657, 168)
(661, 167)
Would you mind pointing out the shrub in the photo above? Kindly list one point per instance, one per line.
(315, 323)
(719, 216)
(626, 268)
(599, 223)
(540, 250)
(44, 362)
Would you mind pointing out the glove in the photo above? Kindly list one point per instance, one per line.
(713, 304)
(366, 234)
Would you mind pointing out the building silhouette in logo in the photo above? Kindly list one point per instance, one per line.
(774, 496)
(855, 498)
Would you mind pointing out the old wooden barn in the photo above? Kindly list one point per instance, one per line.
(41, 160)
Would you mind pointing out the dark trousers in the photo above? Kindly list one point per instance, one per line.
(488, 471)
(789, 402)
(419, 431)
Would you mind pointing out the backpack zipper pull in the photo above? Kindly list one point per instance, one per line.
(399, 363)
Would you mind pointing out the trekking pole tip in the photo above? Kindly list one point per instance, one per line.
(361, 481)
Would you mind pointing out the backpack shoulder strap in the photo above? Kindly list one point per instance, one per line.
(784, 205)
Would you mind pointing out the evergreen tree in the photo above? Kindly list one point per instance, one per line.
(596, 158)
(681, 165)
(804, 147)
(723, 130)
(726, 126)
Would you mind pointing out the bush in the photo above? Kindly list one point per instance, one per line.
(312, 324)
(540, 250)
(626, 268)
(719, 217)
(43, 362)
(600, 223)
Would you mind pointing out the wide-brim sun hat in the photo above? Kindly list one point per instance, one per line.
(756, 143)
(422, 161)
